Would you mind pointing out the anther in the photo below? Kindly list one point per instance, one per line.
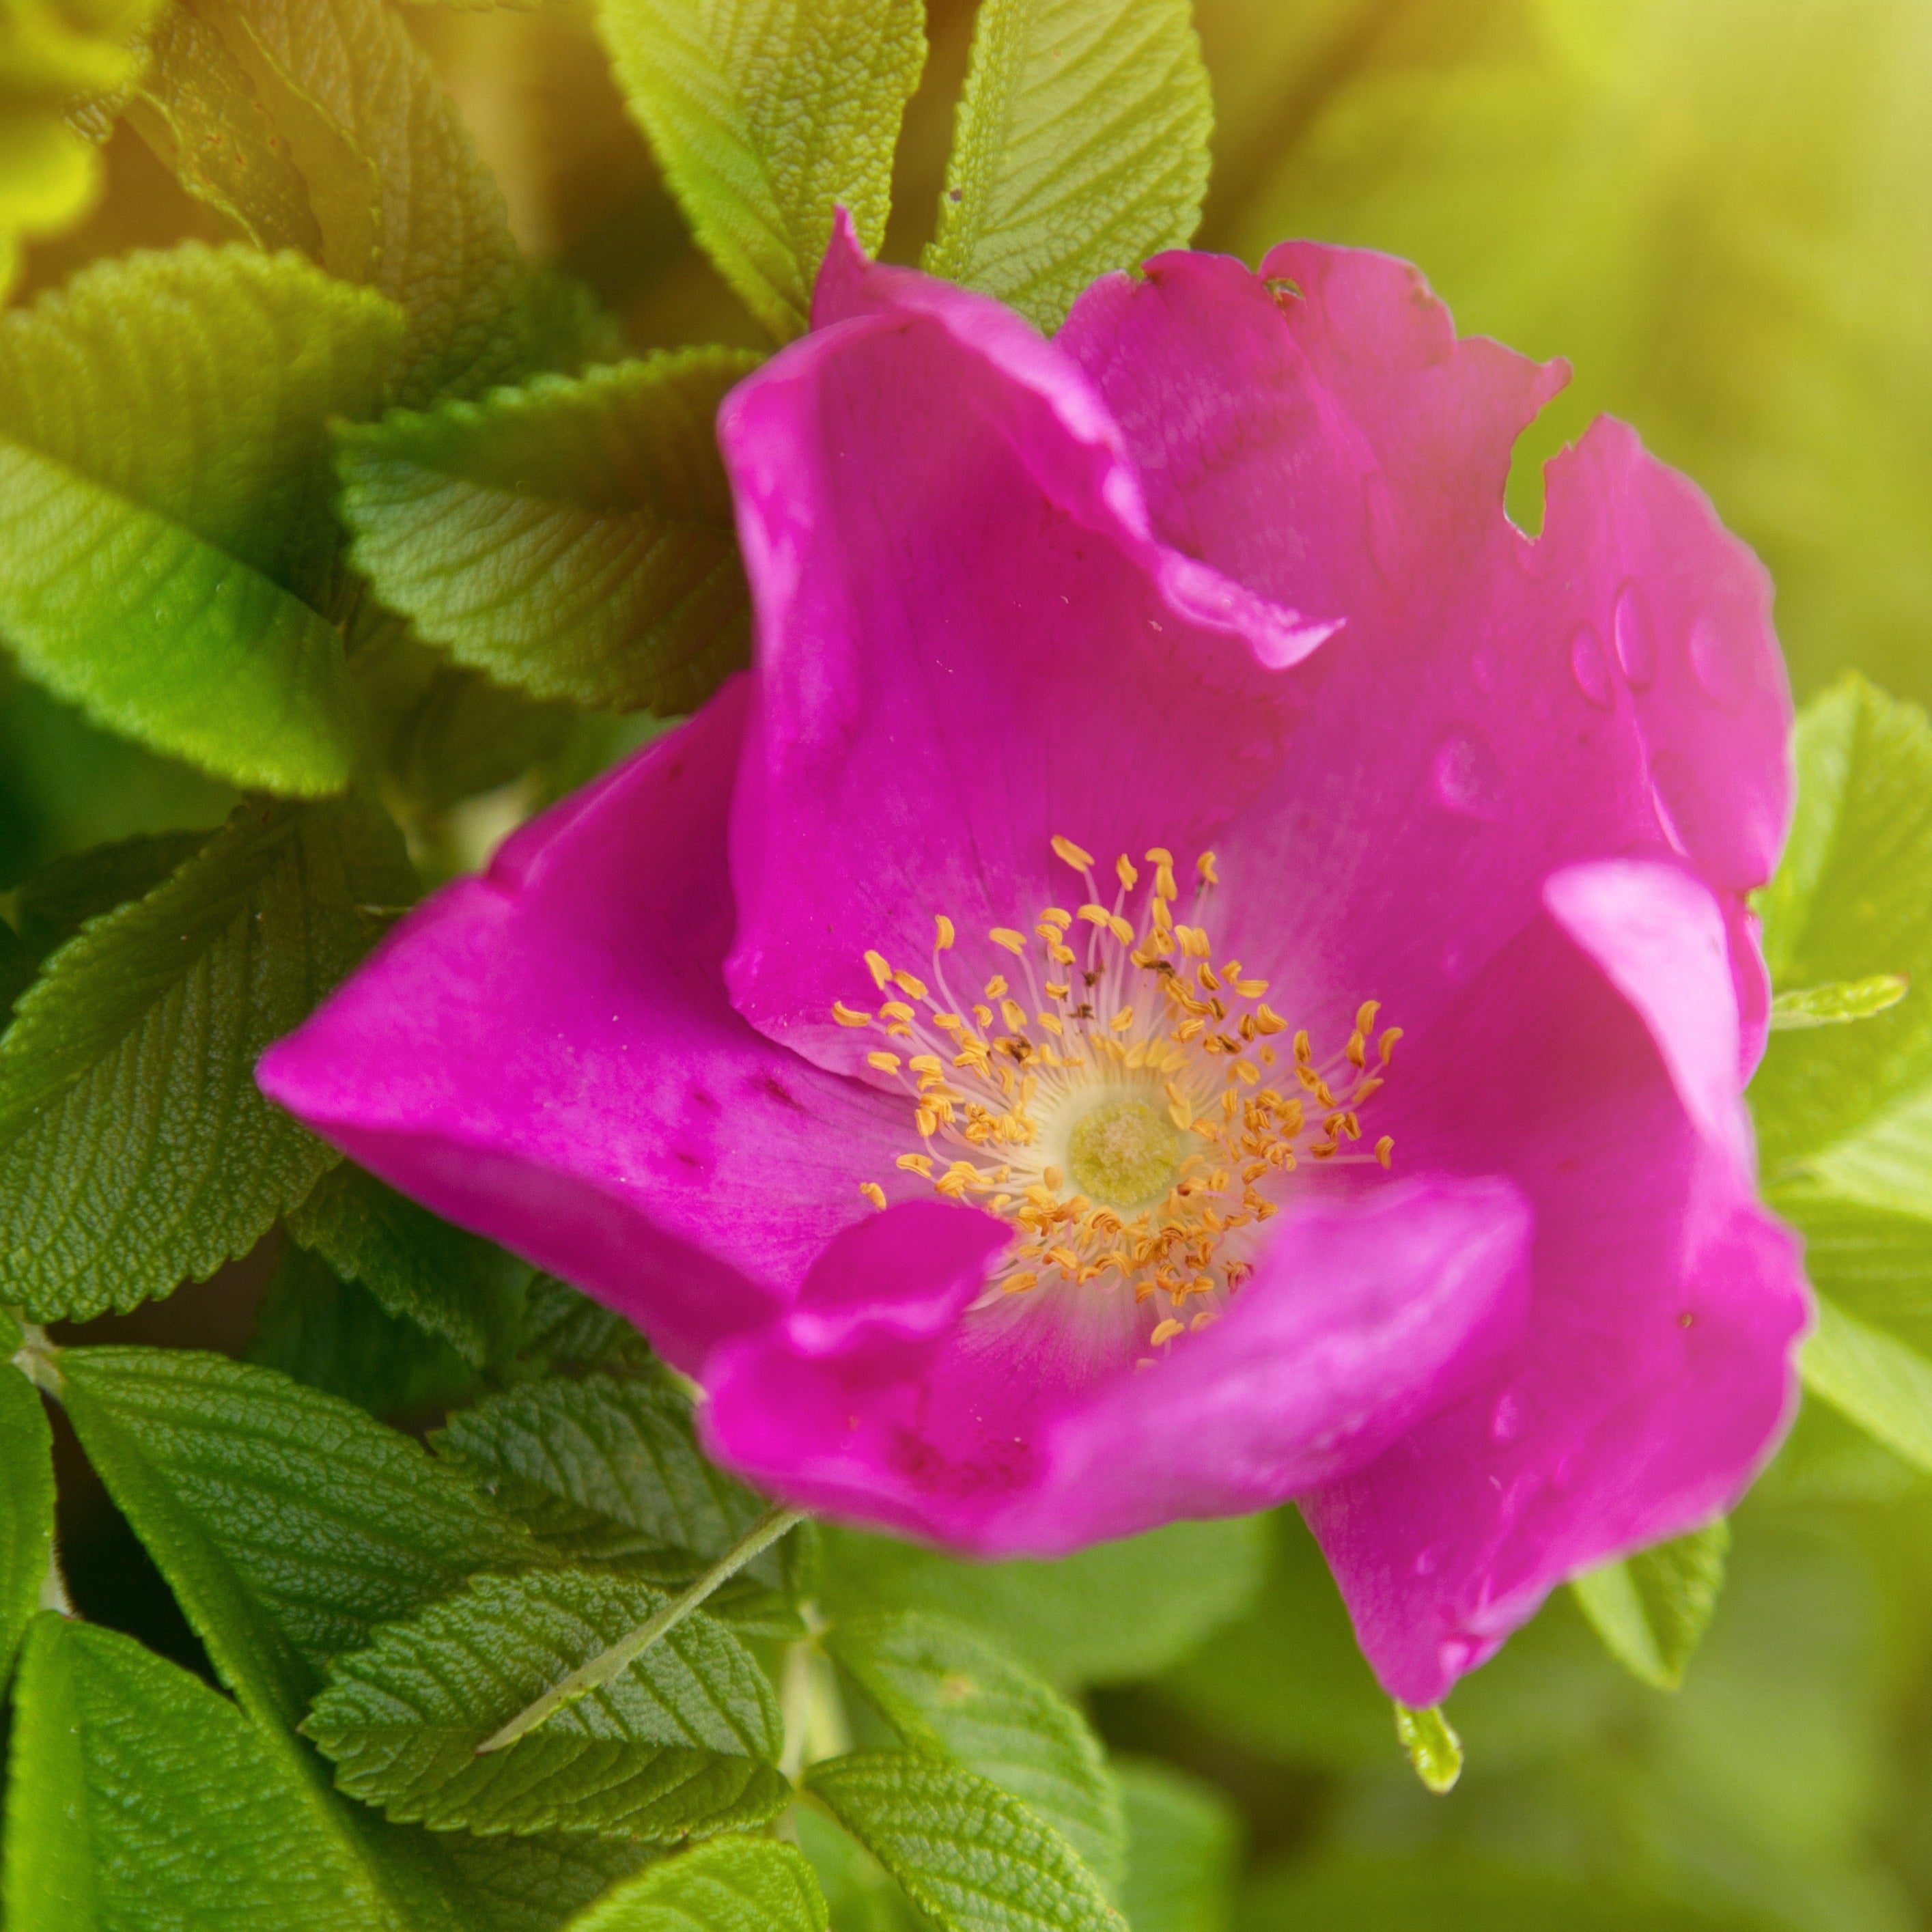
(1388, 1041)
(1066, 849)
(873, 1192)
(1014, 942)
(886, 1063)
(943, 933)
(1204, 865)
(850, 1016)
(881, 970)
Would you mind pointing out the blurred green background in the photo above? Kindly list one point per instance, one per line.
(1720, 211)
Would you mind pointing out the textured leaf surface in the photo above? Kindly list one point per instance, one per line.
(1081, 147)
(319, 124)
(334, 1335)
(142, 1798)
(948, 1694)
(59, 900)
(573, 537)
(1116, 1611)
(562, 1325)
(765, 115)
(289, 1523)
(1844, 1113)
(199, 522)
(602, 1467)
(449, 1283)
(733, 1885)
(683, 1742)
(971, 1859)
(26, 1507)
(1184, 1842)
(1652, 1609)
(135, 1150)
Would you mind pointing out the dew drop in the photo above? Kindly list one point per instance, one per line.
(1636, 640)
(1459, 1654)
(1467, 777)
(1723, 673)
(1681, 808)
(1591, 668)
(1506, 1421)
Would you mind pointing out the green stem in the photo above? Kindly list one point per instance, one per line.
(609, 1664)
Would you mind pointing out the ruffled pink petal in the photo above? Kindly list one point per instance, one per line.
(546, 1054)
(968, 644)
(1594, 1063)
(880, 1396)
(1496, 708)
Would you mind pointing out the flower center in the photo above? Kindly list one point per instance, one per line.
(1135, 1114)
(1123, 1155)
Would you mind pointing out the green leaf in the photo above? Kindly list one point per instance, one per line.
(59, 899)
(50, 54)
(1844, 1113)
(26, 1508)
(859, 1894)
(682, 1743)
(765, 115)
(949, 1695)
(1840, 1003)
(573, 537)
(451, 1284)
(1183, 1843)
(1081, 147)
(321, 128)
(333, 1335)
(1118, 1610)
(140, 1798)
(135, 1150)
(562, 1327)
(17, 966)
(1433, 1748)
(971, 1859)
(169, 481)
(605, 1468)
(732, 1885)
(1651, 1610)
(289, 1523)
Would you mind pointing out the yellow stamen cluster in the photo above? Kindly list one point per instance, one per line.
(1128, 1104)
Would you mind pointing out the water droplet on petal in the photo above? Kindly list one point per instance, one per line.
(1720, 664)
(1459, 1654)
(1680, 798)
(1467, 779)
(1637, 640)
(1590, 666)
(1506, 1422)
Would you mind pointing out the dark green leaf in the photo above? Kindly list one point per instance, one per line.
(289, 1523)
(26, 1507)
(971, 1859)
(733, 1885)
(564, 1328)
(135, 1150)
(1081, 147)
(606, 1467)
(765, 115)
(17, 966)
(1651, 1610)
(1116, 1611)
(201, 524)
(948, 1694)
(683, 1742)
(451, 1284)
(1183, 1843)
(59, 899)
(141, 1798)
(321, 126)
(333, 1335)
(574, 537)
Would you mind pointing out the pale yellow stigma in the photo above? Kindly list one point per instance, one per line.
(1120, 1098)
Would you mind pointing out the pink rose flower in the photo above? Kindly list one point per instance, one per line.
(1200, 966)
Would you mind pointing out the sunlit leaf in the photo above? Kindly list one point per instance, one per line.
(1652, 1609)
(765, 116)
(1082, 146)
